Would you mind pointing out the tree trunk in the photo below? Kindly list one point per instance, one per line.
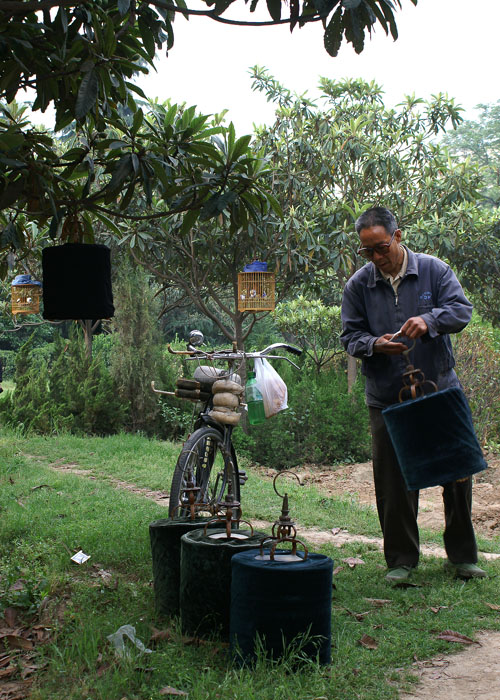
(352, 371)
(88, 332)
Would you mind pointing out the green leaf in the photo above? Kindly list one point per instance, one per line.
(87, 94)
(107, 222)
(274, 7)
(240, 147)
(123, 170)
(189, 221)
(147, 36)
(123, 7)
(333, 33)
(137, 121)
(11, 237)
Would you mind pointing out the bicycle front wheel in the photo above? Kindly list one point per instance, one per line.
(208, 464)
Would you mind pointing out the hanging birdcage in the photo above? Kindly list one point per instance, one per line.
(25, 295)
(256, 290)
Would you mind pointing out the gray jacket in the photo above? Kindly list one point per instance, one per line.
(370, 308)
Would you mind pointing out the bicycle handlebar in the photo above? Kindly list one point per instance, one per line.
(290, 348)
(194, 353)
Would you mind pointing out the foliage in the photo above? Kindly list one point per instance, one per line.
(469, 240)
(332, 163)
(83, 60)
(166, 158)
(137, 358)
(73, 394)
(313, 326)
(477, 355)
(323, 424)
(478, 141)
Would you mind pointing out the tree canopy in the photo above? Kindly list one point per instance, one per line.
(479, 140)
(325, 164)
(82, 58)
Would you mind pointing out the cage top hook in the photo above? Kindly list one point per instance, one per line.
(285, 472)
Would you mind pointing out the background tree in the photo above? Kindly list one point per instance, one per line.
(82, 58)
(479, 141)
(137, 356)
(330, 163)
(313, 326)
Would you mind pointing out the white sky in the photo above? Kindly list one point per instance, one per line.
(443, 46)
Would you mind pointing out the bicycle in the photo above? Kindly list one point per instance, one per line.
(207, 464)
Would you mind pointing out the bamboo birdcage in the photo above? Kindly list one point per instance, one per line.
(25, 295)
(256, 291)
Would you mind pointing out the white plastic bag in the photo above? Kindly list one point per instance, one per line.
(271, 386)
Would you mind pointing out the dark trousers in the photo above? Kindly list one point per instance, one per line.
(398, 508)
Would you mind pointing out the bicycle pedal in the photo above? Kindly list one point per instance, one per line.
(243, 477)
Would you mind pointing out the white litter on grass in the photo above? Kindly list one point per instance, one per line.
(118, 641)
(80, 557)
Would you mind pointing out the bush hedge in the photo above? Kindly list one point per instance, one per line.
(324, 424)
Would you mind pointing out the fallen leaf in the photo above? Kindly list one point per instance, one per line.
(10, 616)
(168, 690)
(7, 672)
(102, 670)
(337, 570)
(194, 641)
(357, 616)
(493, 606)
(379, 602)
(352, 561)
(336, 530)
(368, 642)
(16, 642)
(436, 609)
(451, 636)
(18, 585)
(160, 635)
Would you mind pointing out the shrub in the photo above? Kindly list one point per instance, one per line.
(323, 424)
(71, 393)
(477, 356)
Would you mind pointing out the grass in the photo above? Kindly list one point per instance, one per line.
(47, 514)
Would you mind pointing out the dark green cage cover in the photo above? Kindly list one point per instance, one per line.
(434, 439)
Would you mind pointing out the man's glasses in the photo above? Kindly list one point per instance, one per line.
(380, 248)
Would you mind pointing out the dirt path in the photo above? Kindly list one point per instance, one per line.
(468, 675)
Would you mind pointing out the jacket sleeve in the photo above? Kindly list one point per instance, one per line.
(356, 337)
(453, 310)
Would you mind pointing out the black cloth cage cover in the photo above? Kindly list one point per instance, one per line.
(434, 439)
(77, 282)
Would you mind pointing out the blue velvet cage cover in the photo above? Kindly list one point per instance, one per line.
(434, 439)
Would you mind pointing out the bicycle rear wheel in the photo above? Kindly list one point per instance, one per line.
(205, 461)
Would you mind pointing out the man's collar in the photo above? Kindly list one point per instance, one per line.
(411, 269)
(402, 269)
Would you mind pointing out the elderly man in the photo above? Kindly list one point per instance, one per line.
(421, 296)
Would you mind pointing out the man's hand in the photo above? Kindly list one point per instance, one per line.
(414, 327)
(384, 344)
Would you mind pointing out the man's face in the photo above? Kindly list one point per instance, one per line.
(387, 259)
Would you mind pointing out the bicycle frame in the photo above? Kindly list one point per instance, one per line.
(236, 360)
